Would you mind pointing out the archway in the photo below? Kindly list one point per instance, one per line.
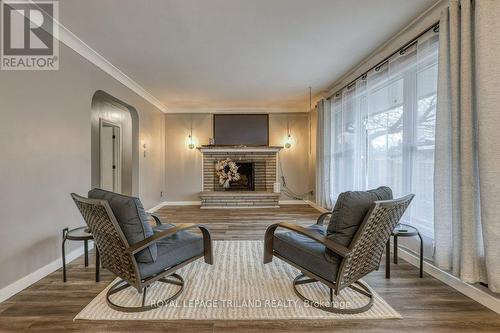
(109, 111)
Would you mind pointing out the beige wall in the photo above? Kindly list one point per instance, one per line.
(293, 161)
(45, 140)
(183, 166)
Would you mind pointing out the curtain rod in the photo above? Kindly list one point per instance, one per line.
(402, 50)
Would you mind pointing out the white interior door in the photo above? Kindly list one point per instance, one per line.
(110, 153)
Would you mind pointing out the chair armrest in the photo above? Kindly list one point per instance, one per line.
(328, 243)
(156, 218)
(207, 239)
(321, 218)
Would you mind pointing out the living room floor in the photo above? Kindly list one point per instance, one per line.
(427, 305)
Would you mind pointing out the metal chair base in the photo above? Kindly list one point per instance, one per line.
(122, 285)
(362, 289)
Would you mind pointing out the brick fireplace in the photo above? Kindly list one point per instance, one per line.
(258, 170)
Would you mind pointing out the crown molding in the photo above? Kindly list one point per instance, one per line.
(201, 109)
(72, 41)
(79, 46)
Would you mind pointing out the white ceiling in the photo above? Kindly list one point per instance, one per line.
(205, 55)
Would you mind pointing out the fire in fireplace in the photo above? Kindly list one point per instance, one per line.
(247, 177)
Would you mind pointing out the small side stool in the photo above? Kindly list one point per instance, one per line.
(402, 230)
(80, 234)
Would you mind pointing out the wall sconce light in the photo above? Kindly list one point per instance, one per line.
(190, 141)
(144, 148)
(288, 142)
(191, 144)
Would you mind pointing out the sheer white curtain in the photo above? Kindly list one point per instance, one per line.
(324, 155)
(383, 130)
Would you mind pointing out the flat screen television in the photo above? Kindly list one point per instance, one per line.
(241, 129)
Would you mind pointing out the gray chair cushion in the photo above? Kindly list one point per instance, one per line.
(306, 252)
(132, 219)
(172, 250)
(349, 212)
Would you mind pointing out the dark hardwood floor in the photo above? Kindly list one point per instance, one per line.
(427, 305)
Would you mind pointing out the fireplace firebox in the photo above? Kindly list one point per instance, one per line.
(247, 177)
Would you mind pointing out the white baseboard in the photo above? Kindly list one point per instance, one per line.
(182, 203)
(469, 290)
(238, 207)
(292, 202)
(198, 203)
(158, 206)
(28, 280)
(314, 205)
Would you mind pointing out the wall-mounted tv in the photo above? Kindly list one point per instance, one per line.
(241, 129)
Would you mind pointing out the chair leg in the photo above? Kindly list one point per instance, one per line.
(63, 250)
(121, 285)
(395, 250)
(144, 296)
(421, 255)
(388, 259)
(97, 265)
(361, 288)
(306, 281)
(86, 250)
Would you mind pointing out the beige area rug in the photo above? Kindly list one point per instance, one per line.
(237, 287)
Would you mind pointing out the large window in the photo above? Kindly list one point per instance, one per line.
(383, 130)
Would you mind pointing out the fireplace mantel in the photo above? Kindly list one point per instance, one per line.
(239, 149)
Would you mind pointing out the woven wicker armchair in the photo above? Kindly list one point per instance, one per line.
(356, 260)
(120, 258)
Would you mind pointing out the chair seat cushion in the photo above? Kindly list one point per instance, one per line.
(172, 250)
(306, 252)
(132, 218)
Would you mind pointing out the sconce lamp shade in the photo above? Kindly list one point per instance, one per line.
(288, 142)
(190, 142)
